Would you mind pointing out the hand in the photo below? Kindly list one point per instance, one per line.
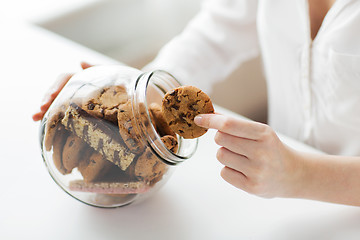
(255, 159)
(54, 91)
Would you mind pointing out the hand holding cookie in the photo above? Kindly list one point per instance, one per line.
(181, 105)
(254, 158)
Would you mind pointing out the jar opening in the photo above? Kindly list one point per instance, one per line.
(150, 88)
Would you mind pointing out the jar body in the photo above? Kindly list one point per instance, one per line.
(103, 139)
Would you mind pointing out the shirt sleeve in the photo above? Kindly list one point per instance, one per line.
(219, 38)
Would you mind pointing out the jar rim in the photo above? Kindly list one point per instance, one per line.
(164, 82)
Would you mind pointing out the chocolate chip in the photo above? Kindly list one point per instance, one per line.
(182, 117)
(193, 107)
(173, 93)
(176, 107)
(149, 155)
(71, 143)
(91, 106)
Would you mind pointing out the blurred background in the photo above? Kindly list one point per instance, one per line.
(132, 32)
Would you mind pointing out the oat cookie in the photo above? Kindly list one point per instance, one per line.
(181, 105)
(162, 126)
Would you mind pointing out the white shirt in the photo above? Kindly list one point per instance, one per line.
(313, 86)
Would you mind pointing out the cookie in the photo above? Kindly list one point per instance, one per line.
(148, 167)
(171, 143)
(51, 125)
(94, 167)
(104, 103)
(101, 136)
(59, 141)
(109, 187)
(181, 105)
(113, 96)
(162, 127)
(72, 153)
(127, 129)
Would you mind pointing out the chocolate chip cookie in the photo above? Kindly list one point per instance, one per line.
(72, 152)
(181, 105)
(104, 103)
(94, 167)
(149, 167)
(128, 131)
(59, 141)
(162, 126)
(52, 125)
(171, 143)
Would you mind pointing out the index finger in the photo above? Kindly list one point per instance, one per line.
(230, 125)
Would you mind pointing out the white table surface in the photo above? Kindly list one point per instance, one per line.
(195, 204)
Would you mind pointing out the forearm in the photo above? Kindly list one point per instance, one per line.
(329, 178)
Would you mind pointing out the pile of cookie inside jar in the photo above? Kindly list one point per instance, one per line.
(111, 141)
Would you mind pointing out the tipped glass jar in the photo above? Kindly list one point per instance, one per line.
(104, 139)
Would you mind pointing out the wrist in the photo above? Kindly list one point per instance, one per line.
(298, 175)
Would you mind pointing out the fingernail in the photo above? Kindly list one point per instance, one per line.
(198, 119)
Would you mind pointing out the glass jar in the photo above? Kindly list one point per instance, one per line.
(104, 140)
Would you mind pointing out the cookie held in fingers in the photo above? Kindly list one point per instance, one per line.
(181, 105)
